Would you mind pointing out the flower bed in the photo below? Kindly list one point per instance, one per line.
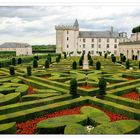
(132, 95)
(87, 87)
(31, 90)
(29, 127)
(130, 78)
(45, 77)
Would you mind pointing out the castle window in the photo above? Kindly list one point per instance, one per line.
(99, 46)
(67, 46)
(107, 46)
(92, 52)
(84, 45)
(115, 39)
(67, 38)
(67, 32)
(92, 45)
(99, 39)
(84, 40)
(115, 46)
(92, 40)
(107, 39)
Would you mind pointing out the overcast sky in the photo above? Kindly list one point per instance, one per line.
(36, 25)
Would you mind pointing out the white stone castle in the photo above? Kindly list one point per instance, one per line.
(72, 41)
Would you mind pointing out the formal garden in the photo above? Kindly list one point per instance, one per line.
(53, 94)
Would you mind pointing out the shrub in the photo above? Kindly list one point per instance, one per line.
(35, 63)
(0, 65)
(12, 70)
(36, 57)
(98, 65)
(89, 56)
(29, 70)
(105, 55)
(47, 63)
(139, 65)
(49, 59)
(127, 64)
(19, 60)
(57, 59)
(80, 61)
(91, 62)
(65, 56)
(73, 87)
(114, 59)
(13, 61)
(123, 58)
(102, 87)
(74, 65)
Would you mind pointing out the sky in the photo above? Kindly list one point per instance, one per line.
(36, 24)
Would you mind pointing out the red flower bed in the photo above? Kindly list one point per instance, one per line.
(29, 127)
(132, 95)
(130, 78)
(31, 90)
(45, 77)
(87, 87)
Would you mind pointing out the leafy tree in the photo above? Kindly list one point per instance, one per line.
(98, 65)
(133, 57)
(13, 61)
(19, 60)
(29, 70)
(35, 63)
(0, 65)
(49, 58)
(123, 58)
(102, 87)
(139, 65)
(73, 87)
(91, 62)
(136, 29)
(89, 56)
(12, 70)
(127, 64)
(74, 65)
(47, 63)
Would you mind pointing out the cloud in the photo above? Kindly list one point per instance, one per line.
(36, 24)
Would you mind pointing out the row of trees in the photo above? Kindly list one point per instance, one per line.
(136, 29)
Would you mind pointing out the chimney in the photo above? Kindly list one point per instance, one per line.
(111, 29)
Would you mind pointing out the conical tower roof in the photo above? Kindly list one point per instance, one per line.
(76, 24)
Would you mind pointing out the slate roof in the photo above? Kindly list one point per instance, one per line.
(13, 45)
(98, 34)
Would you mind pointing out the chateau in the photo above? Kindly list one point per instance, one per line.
(71, 40)
(19, 48)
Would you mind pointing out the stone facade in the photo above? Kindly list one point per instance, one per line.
(19, 48)
(129, 49)
(135, 37)
(70, 40)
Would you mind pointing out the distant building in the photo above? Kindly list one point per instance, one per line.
(19, 48)
(130, 49)
(135, 37)
(123, 37)
(70, 40)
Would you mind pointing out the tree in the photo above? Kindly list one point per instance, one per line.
(91, 62)
(123, 58)
(74, 65)
(139, 65)
(114, 59)
(98, 65)
(49, 58)
(36, 57)
(102, 87)
(127, 64)
(47, 63)
(136, 29)
(80, 61)
(133, 57)
(57, 59)
(89, 56)
(12, 70)
(19, 60)
(73, 87)
(35, 63)
(29, 70)
(105, 55)
(13, 61)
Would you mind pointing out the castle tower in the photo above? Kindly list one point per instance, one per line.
(67, 38)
